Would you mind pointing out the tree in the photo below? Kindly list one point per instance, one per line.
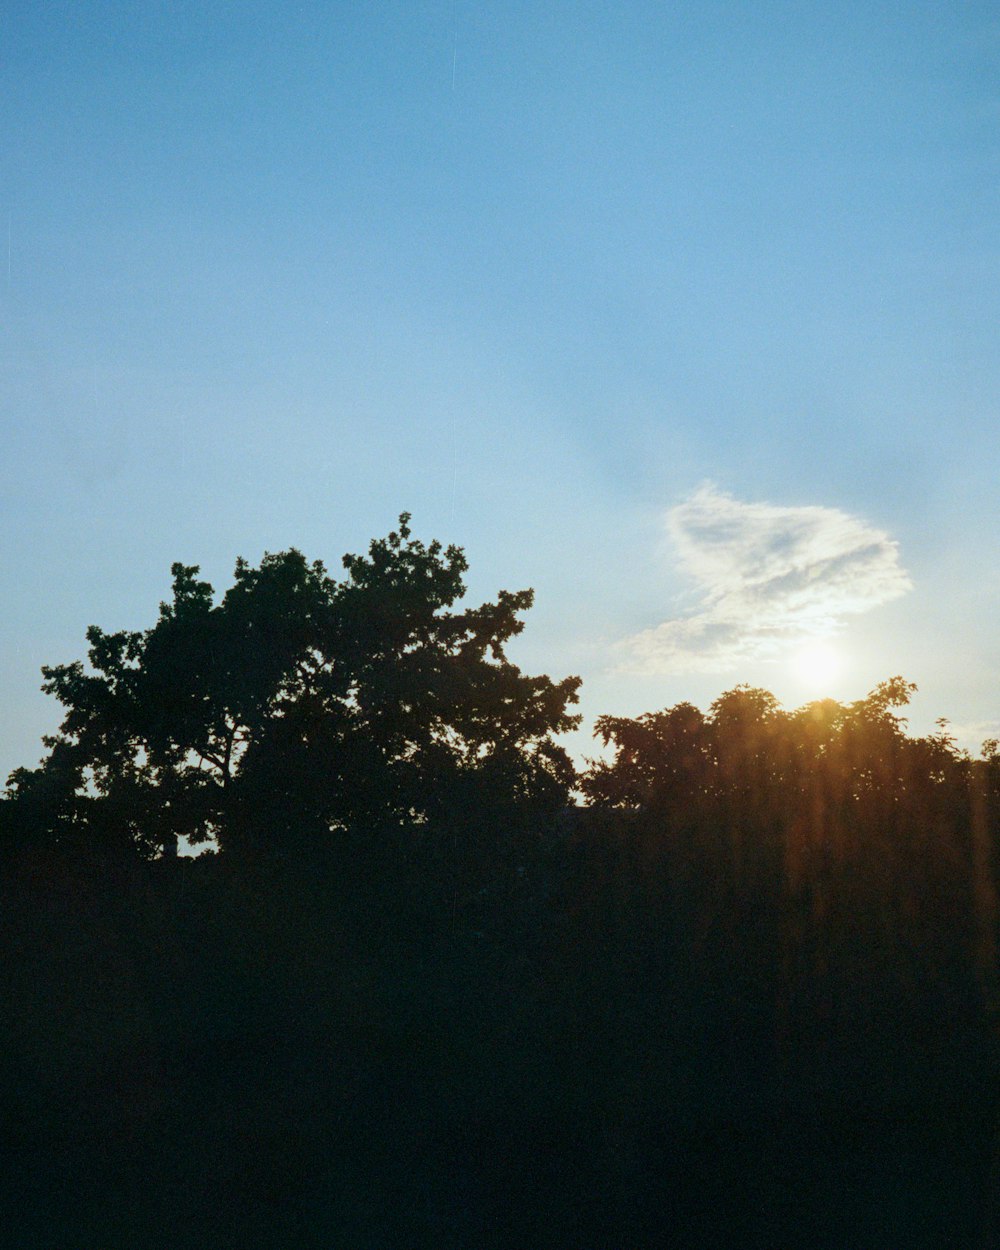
(660, 760)
(866, 840)
(298, 706)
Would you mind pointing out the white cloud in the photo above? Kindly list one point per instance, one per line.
(767, 577)
(971, 735)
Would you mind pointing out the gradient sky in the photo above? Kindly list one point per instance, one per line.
(683, 314)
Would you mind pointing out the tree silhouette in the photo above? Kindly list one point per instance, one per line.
(297, 706)
(837, 862)
(764, 955)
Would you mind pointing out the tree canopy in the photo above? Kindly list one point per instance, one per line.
(748, 747)
(299, 705)
(764, 919)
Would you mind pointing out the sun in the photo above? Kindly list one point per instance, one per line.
(817, 665)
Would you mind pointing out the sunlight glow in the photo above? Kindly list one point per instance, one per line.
(817, 666)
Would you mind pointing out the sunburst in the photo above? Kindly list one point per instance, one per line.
(817, 665)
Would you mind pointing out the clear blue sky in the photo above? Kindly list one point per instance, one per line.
(685, 315)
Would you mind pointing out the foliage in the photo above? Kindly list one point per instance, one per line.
(297, 706)
(847, 860)
(761, 958)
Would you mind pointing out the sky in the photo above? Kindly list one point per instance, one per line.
(684, 315)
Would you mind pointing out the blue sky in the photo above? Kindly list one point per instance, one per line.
(627, 300)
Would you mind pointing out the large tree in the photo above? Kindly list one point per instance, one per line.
(298, 706)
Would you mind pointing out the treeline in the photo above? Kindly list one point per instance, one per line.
(743, 994)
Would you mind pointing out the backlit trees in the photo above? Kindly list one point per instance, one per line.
(296, 706)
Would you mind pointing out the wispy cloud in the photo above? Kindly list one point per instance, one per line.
(766, 577)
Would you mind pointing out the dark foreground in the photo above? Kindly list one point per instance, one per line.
(200, 1055)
